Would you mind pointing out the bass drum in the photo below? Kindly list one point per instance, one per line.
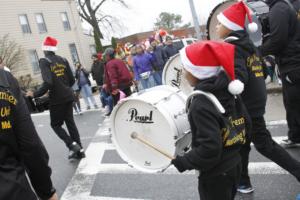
(259, 12)
(157, 115)
(172, 75)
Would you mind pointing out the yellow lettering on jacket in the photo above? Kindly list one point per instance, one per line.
(5, 125)
(7, 97)
(5, 111)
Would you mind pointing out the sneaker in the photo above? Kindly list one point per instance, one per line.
(287, 143)
(106, 109)
(81, 154)
(107, 114)
(73, 152)
(245, 189)
(88, 107)
(80, 112)
(96, 107)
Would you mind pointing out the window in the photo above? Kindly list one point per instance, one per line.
(24, 24)
(65, 20)
(74, 54)
(34, 59)
(41, 23)
(93, 49)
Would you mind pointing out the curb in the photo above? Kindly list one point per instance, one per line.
(272, 90)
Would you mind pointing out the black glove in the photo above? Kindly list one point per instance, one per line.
(179, 163)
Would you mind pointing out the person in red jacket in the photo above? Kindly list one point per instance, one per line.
(117, 75)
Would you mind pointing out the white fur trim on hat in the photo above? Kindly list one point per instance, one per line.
(236, 87)
(49, 48)
(200, 72)
(252, 27)
(228, 24)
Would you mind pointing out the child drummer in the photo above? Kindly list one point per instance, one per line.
(216, 136)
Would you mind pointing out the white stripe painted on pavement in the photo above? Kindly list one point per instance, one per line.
(277, 122)
(83, 180)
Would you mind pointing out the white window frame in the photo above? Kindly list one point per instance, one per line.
(34, 60)
(65, 20)
(42, 24)
(24, 22)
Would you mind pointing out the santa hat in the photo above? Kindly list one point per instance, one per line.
(50, 44)
(234, 17)
(206, 59)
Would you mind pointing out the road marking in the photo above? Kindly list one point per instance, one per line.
(81, 184)
(277, 122)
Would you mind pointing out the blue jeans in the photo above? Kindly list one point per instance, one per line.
(86, 92)
(157, 76)
(106, 99)
(147, 83)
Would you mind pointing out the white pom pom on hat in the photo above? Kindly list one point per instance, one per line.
(252, 27)
(236, 87)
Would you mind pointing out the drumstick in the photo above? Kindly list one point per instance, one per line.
(134, 135)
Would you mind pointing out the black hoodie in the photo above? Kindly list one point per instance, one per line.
(284, 40)
(249, 70)
(58, 79)
(20, 147)
(210, 153)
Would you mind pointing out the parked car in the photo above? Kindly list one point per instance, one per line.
(180, 43)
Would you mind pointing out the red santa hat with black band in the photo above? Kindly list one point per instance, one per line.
(206, 59)
(234, 17)
(50, 44)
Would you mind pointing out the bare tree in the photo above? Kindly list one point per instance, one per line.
(11, 52)
(90, 12)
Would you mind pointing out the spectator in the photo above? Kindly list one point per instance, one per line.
(142, 66)
(160, 61)
(169, 49)
(84, 84)
(97, 71)
(117, 75)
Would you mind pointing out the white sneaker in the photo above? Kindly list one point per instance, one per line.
(106, 109)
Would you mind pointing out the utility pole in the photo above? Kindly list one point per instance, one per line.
(195, 19)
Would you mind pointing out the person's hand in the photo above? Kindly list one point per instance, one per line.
(178, 162)
(54, 197)
(29, 94)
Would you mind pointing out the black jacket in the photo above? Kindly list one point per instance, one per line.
(170, 51)
(86, 74)
(20, 147)
(284, 40)
(209, 153)
(97, 71)
(160, 57)
(58, 79)
(249, 70)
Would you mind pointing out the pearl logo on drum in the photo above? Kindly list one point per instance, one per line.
(134, 117)
(176, 82)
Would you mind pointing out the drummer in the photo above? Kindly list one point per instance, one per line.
(248, 68)
(216, 138)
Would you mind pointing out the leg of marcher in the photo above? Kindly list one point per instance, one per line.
(57, 115)
(265, 145)
(85, 97)
(223, 186)
(245, 184)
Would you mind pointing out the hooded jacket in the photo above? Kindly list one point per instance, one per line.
(20, 147)
(58, 79)
(97, 71)
(284, 40)
(249, 70)
(209, 153)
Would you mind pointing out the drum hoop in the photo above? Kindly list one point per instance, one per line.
(165, 71)
(211, 15)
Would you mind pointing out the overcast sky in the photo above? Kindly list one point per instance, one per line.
(141, 14)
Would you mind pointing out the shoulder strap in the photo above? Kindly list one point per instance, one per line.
(210, 96)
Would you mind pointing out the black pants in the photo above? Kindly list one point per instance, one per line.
(265, 145)
(222, 187)
(60, 114)
(291, 100)
(127, 92)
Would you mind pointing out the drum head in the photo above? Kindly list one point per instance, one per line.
(139, 114)
(173, 76)
(257, 7)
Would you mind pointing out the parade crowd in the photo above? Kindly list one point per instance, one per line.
(231, 71)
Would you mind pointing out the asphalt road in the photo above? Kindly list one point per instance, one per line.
(103, 175)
